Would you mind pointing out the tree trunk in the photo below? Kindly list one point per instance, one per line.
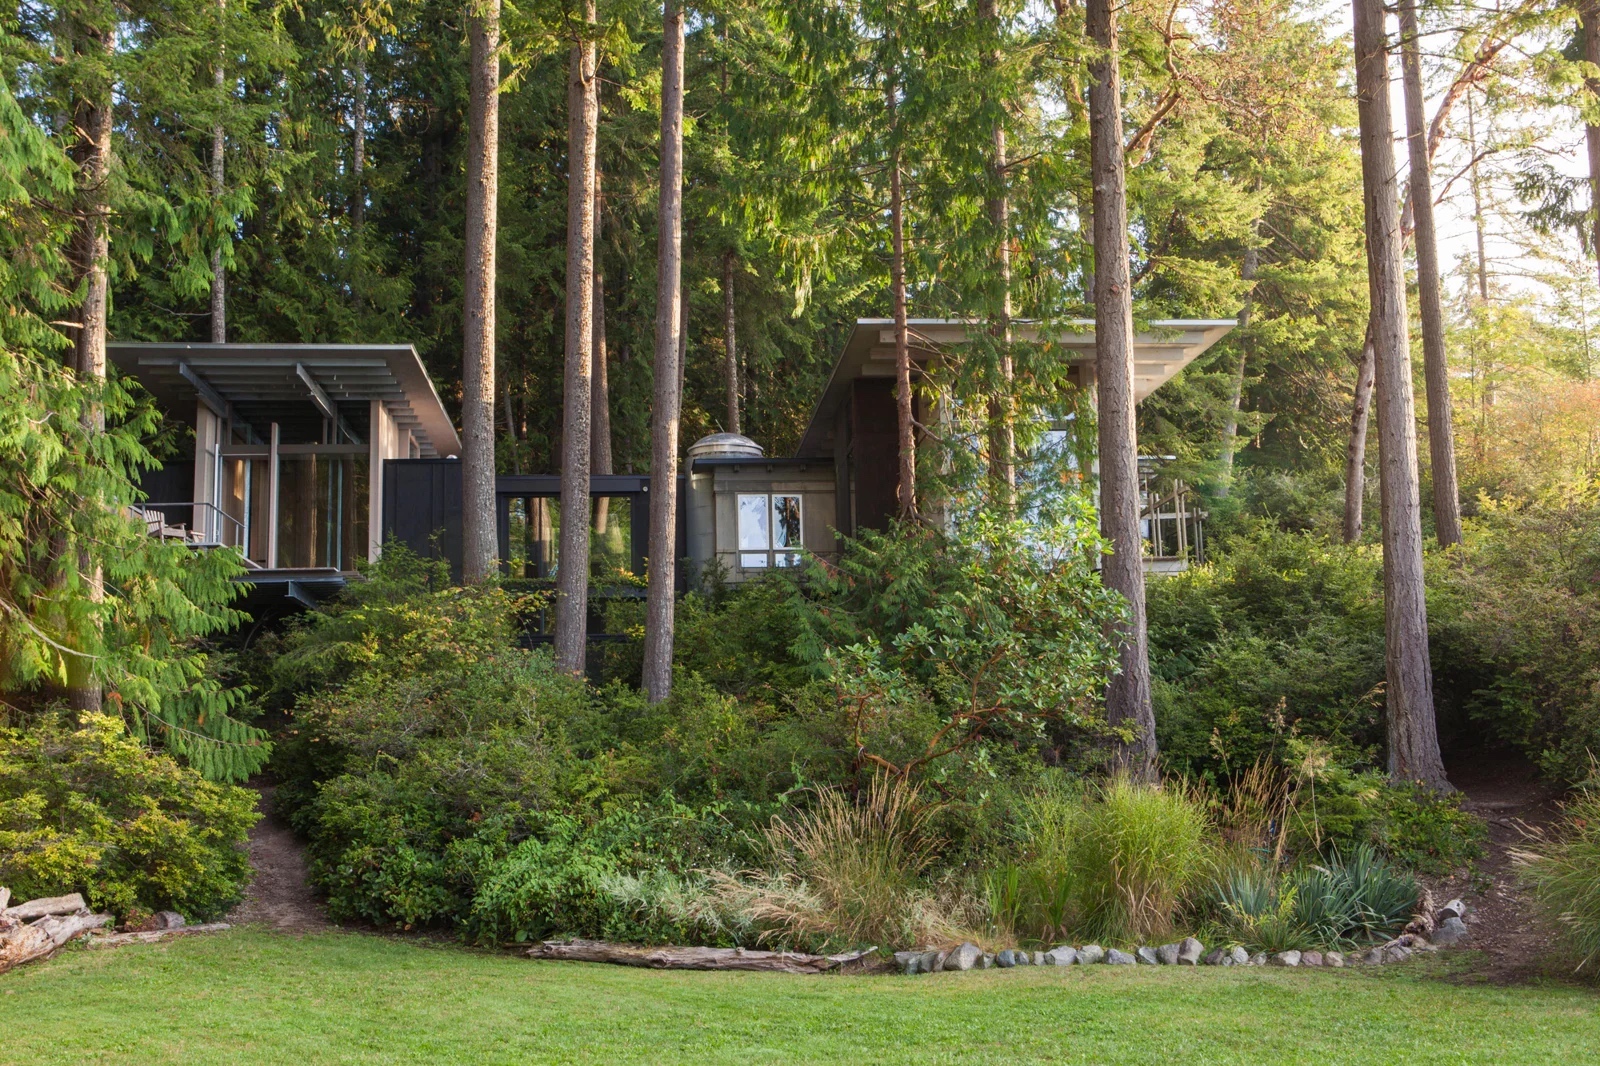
(600, 461)
(479, 537)
(1355, 459)
(1590, 14)
(572, 575)
(358, 147)
(219, 144)
(1002, 428)
(1128, 705)
(1435, 362)
(730, 337)
(904, 415)
(1230, 428)
(1413, 738)
(92, 119)
(659, 602)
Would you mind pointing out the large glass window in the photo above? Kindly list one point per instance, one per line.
(769, 530)
(322, 510)
(534, 540)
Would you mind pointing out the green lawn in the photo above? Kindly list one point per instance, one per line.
(249, 996)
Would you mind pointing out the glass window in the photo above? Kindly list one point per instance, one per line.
(769, 530)
(755, 536)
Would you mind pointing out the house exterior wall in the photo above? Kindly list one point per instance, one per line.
(714, 511)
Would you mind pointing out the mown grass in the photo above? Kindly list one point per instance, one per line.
(250, 996)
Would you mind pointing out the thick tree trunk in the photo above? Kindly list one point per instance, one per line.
(479, 536)
(907, 490)
(572, 575)
(1002, 428)
(92, 119)
(1355, 458)
(1436, 363)
(1591, 54)
(1230, 427)
(730, 339)
(219, 144)
(600, 392)
(659, 602)
(1128, 705)
(1412, 733)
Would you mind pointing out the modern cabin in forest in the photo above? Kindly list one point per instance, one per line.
(309, 457)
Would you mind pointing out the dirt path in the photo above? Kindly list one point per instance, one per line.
(1508, 795)
(278, 897)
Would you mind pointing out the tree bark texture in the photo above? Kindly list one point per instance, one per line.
(1230, 427)
(358, 145)
(1412, 733)
(1002, 427)
(730, 339)
(1435, 361)
(659, 602)
(219, 145)
(572, 574)
(92, 119)
(478, 525)
(904, 415)
(691, 958)
(1355, 458)
(1590, 14)
(1128, 704)
(600, 460)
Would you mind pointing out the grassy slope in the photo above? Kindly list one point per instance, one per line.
(257, 997)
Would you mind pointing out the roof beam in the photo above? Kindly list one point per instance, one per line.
(213, 399)
(324, 404)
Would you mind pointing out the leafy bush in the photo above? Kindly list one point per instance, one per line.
(1339, 812)
(1563, 870)
(90, 809)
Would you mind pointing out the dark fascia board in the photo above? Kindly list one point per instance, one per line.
(550, 484)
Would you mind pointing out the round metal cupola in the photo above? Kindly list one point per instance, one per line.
(725, 446)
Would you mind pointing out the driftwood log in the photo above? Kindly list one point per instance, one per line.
(47, 905)
(689, 958)
(42, 938)
(151, 936)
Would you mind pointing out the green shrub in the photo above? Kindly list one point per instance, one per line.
(92, 810)
(1340, 812)
(1332, 904)
(1563, 870)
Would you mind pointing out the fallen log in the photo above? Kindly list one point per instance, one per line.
(151, 936)
(690, 958)
(5, 898)
(45, 937)
(47, 905)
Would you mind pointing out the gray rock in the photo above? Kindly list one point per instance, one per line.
(1451, 931)
(1006, 959)
(1060, 956)
(1375, 957)
(985, 960)
(1189, 951)
(1038, 958)
(932, 961)
(1286, 958)
(168, 920)
(1217, 957)
(1167, 954)
(1332, 958)
(1090, 954)
(1119, 958)
(1147, 956)
(908, 961)
(1022, 958)
(966, 957)
(1311, 958)
(1258, 959)
(1240, 956)
(1397, 953)
(1454, 909)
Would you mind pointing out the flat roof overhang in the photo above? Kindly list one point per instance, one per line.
(258, 384)
(1160, 351)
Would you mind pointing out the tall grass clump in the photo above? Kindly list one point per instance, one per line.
(1563, 870)
(847, 872)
